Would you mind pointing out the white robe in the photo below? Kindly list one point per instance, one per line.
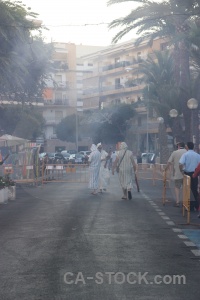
(104, 172)
(94, 168)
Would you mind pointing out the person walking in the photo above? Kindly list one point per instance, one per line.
(104, 171)
(94, 161)
(177, 174)
(187, 164)
(127, 166)
(113, 157)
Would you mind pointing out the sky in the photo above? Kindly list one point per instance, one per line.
(66, 20)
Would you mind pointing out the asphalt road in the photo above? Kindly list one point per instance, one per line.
(59, 242)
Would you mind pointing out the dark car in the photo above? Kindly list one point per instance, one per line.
(66, 155)
(57, 158)
(86, 155)
(79, 158)
(148, 158)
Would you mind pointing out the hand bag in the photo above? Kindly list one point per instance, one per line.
(117, 168)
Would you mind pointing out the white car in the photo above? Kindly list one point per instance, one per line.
(148, 158)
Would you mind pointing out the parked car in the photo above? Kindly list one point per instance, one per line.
(66, 155)
(86, 155)
(70, 152)
(79, 158)
(148, 158)
(44, 154)
(57, 158)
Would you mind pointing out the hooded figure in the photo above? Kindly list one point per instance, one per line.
(127, 167)
(104, 176)
(94, 167)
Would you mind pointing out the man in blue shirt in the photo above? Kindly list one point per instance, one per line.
(187, 164)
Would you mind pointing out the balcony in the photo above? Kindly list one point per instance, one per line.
(61, 85)
(60, 65)
(119, 64)
(57, 102)
(112, 89)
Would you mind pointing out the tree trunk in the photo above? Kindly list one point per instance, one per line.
(164, 151)
(185, 87)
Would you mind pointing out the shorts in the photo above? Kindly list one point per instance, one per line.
(178, 183)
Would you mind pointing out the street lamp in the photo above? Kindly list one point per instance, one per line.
(192, 104)
(174, 114)
(163, 144)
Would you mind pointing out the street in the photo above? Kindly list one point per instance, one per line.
(59, 242)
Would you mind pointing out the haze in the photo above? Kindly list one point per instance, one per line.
(65, 20)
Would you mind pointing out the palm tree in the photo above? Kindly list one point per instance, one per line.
(170, 19)
(162, 92)
(23, 58)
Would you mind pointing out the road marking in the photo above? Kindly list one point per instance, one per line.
(196, 252)
(182, 236)
(176, 229)
(189, 244)
(162, 214)
(171, 223)
(165, 218)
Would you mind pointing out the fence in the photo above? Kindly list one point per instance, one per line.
(154, 172)
(65, 173)
(186, 196)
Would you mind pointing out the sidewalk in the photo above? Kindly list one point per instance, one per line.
(174, 214)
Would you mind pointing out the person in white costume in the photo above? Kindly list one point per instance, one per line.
(104, 175)
(94, 168)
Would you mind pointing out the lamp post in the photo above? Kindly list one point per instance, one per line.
(192, 104)
(148, 119)
(164, 153)
(174, 114)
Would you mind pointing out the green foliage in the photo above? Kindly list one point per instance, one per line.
(161, 92)
(23, 121)
(24, 58)
(66, 129)
(112, 123)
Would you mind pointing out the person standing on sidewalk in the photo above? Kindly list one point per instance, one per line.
(177, 174)
(187, 164)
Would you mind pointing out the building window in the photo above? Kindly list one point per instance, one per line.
(139, 56)
(163, 46)
(54, 130)
(139, 121)
(58, 115)
(58, 78)
(58, 96)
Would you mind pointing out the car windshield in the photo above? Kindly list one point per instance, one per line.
(72, 151)
(66, 154)
(50, 154)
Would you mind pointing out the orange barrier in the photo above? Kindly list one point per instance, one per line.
(166, 179)
(145, 171)
(154, 172)
(186, 196)
(65, 173)
(21, 173)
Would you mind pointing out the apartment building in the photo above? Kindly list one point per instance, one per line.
(63, 95)
(114, 79)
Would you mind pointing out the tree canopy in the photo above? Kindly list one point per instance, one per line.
(24, 57)
(23, 121)
(173, 20)
(66, 129)
(109, 125)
